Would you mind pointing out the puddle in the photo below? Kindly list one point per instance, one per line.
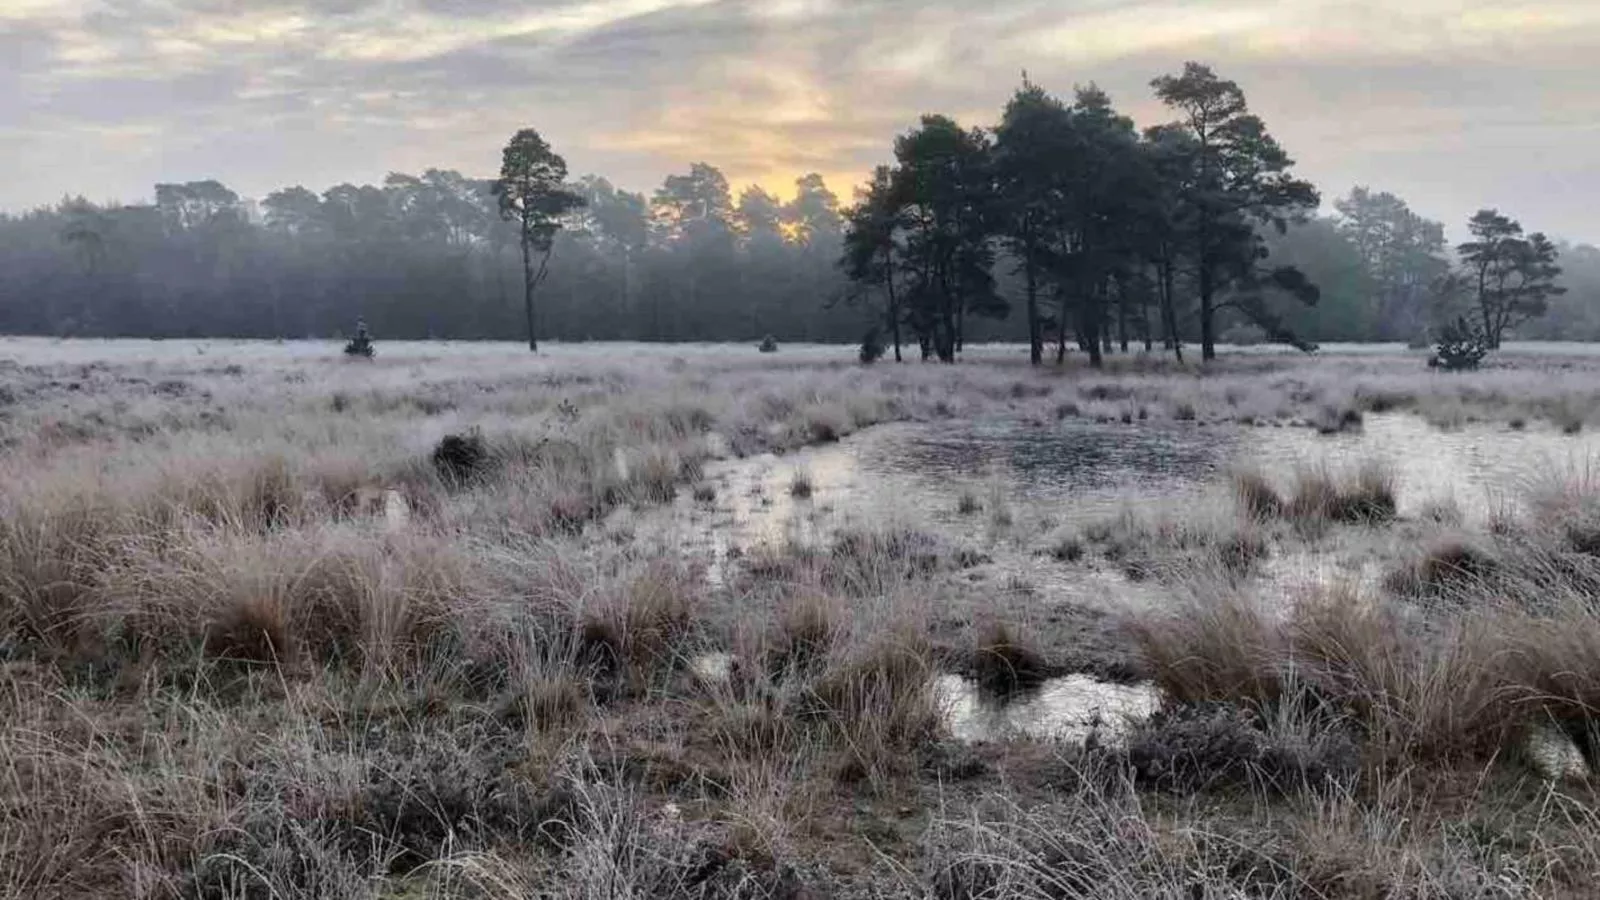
(1072, 473)
(1480, 467)
(1063, 709)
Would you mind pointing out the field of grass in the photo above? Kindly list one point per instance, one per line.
(275, 624)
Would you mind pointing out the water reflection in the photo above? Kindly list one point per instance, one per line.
(1480, 467)
(1076, 472)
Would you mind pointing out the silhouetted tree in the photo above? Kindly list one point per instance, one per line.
(1511, 277)
(1237, 176)
(1032, 144)
(532, 194)
(872, 247)
(943, 184)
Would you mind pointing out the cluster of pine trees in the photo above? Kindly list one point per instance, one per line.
(1182, 229)
(1065, 226)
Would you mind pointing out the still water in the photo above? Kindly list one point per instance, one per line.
(1057, 474)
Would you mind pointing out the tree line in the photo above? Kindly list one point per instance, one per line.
(1065, 226)
(1168, 234)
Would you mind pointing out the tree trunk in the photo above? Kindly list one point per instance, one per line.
(527, 293)
(1061, 330)
(1089, 322)
(944, 337)
(894, 318)
(894, 304)
(1169, 312)
(1035, 335)
(1208, 312)
(627, 285)
(1122, 315)
(1144, 320)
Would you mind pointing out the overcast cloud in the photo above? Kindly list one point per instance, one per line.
(1453, 104)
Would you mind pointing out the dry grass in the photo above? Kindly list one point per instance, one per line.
(1176, 544)
(226, 671)
(1432, 682)
(1320, 496)
(1004, 662)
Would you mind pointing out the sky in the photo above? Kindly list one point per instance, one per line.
(1451, 104)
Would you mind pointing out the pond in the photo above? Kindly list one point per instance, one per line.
(1074, 472)
(1047, 474)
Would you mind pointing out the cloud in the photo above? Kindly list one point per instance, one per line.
(1451, 103)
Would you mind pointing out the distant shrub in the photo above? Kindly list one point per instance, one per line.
(1460, 347)
(800, 485)
(1068, 548)
(1338, 420)
(1245, 335)
(968, 503)
(871, 347)
(360, 345)
(769, 344)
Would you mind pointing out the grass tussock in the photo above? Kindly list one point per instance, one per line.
(1066, 546)
(1365, 495)
(1004, 663)
(1256, 495)
(1176, 546)
(968, 502)
(1456, 682)
(808, 626)
(1338, 420)
(1450, 568)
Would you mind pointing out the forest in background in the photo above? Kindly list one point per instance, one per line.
(430, 255)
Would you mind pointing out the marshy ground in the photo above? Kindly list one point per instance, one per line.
(624, 621)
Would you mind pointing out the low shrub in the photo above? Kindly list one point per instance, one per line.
(1338, 420)
(1460, 347)
(871, 347)
(361, 345)
(1220, 746)
(968, 503)
(459, 458)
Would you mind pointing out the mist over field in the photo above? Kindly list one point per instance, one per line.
(735, 191)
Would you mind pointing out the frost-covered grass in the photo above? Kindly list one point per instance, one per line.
(229, 667)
